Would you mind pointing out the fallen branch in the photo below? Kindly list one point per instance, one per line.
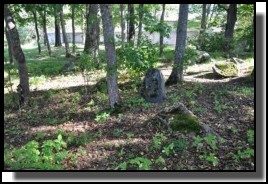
(180, 108)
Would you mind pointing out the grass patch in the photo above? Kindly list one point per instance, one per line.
(244, 91)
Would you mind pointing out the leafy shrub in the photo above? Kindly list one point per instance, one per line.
(157, 140)
(137, 60)
(213, 41)
(143, 163)
(102, 117)
(49, 156)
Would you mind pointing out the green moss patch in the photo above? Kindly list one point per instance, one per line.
(185, 122)
(227, 69)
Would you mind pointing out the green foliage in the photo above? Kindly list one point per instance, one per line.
(244, 91)
(138, 101)
(250, 134)
(117, 132)
(45, 67)
(143, 163)
(49, 157)
(200, 110)
(160, 27)
(211, 158)
(179, 145)
(40, 135)
(123, 166)
(166, 150)
(27, 33)
(185, 122)
(79, 140)
(137, 60)
(213, 41)
(158, 140)
(76, 97)
(190, 56)
(160, 160)
(102, 117)
(210, 140)
(218, 106)
(248, 153)
(101, 97)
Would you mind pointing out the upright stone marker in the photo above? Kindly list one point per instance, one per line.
(153, 86)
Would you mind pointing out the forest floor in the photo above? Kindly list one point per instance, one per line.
(130, 137)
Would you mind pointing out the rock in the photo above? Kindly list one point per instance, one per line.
(203, 57)
(153, 86)
(226, 69)
(68, 67)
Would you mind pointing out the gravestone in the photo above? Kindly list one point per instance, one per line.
(153, 86)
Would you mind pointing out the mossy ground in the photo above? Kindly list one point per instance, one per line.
(185, 122)
(228, 69)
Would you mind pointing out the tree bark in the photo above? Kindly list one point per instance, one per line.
(67, 50)
(229, 28)
(10, 51)
(44, 35)
(140, 23)
(73, 27)
(57, 28)
(203, 26)
(18, 54)
(93, 31)
(108, 33)
(161, 39)
(131, 29)
(177, 71)
(45, 30)
(123, 25)
(36, 30)
(251, 44)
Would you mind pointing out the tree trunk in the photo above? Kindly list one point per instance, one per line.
(45, 40)
(140, 23)
(10, 51)
(123, 26)
(67, 50)
(45, 30)
(73, 27)
(108, 33)
(18, 54)
(229, 29)
(177, 71)
(131, 30)
(93, 31)
(251, 44)
(161, 39)
(57, 29)
(37, 32)
(213, 7)
(203, 26)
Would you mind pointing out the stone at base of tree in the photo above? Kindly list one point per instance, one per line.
(153, 86)
(203, 57)
(226, 69)
(180, 108)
